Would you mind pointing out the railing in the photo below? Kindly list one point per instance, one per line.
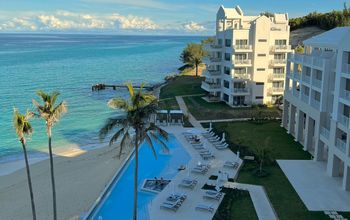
(248, 62)
(215, 46)
(214, 72)
(344, 120)
(242, 47)
(278, 61)
(305, 98)
(215, 59)
(306, 78)
(317, 83)
(277, 89)
(325, 132)
(242, 76)
(346, 68)
(240, 90)
(278, 75)
(345, 94)
(315, 103)
(209, 85)
(340, 144)
(280, 47)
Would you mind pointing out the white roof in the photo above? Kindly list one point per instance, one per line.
(336, 38)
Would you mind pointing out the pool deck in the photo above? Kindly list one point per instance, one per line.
(195, 195)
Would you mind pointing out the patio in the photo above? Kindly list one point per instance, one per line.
(318, 191)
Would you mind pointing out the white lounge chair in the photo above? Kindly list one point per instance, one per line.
(188, 183)
(211, 194)
(205, 207)
(230, 164)
(172, 207)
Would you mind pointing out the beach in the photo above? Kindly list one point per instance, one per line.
(80, 178)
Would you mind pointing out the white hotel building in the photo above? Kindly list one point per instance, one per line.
(317, 100)
(247, 62)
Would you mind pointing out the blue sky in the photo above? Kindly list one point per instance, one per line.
(139, 16)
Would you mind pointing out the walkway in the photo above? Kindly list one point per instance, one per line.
(184, 109)
(261, 202)
(224, 120)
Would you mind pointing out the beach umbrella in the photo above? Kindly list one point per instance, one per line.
(223, 137)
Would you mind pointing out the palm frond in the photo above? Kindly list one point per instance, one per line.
(53, 97)
(150, 143)
(118, 103)
(59, 110)
(115, 137)
(130, 89)
(124, 142)
(157, 138)
(110, 124)
(21, 123)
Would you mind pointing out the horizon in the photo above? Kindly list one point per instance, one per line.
(139, 17)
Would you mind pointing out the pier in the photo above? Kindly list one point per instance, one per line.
(101, 86)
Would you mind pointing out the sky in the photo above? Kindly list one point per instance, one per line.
(163, 17)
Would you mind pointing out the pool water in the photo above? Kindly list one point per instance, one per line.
(118, 202)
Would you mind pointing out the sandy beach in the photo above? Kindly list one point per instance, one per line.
(79, 181)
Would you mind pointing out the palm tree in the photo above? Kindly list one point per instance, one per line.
(137, 111)
(24, 128)
(263, 154)
(51, 114)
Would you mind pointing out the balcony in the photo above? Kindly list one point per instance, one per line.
(240, 90)
(305, 98)
(325, 132)
(243, 76)
(213, 72)
(242, 48)
(246, 62)
(278, 75)
(340, 144)
(210, 87)
(280, 48)
(315, 103)
(345, 94)
(277, 89)
(215, 59)
(344, 120)
(279, 62)
(214, 46)
(317, 83)
(306, 78)
(346, 68)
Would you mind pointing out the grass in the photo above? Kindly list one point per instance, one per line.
(250, 136)
(203, 110)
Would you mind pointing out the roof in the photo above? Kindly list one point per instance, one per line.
(335, 38)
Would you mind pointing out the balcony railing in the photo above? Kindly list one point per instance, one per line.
(277, 89)
(278, 62)
(243, 62)
(345, 94)
(325, 132)
(216, 46)
(214, 72)
(240, 90)
(210, 86)
(305, 98)
(215, 59)
(344, 120)
(278, 75)
(306, 78)
(315, 103)
(242, 76)
(317, 83)
(346, 68)
(280, 47)
(242, 47)
(340, 144)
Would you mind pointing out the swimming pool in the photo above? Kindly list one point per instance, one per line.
(118, 201)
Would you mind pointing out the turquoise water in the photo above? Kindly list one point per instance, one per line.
(118, 203)
(71, 64)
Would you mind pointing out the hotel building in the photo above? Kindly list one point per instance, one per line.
(317, 100)
(247, 61)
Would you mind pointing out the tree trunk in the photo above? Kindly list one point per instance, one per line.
(52, 179)
(196, 69)
(29, 180)
(136, 174)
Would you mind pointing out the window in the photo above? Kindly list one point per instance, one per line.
(226, 84)
(225, 97)
(260, 69)
(240, 70)
(241, 42)
(220, 41)
(280, 56)
(261, 55)
(259, 83)
(262, 40)
(279, 70)
(259, 97)
(277, 84)
(228, 42)
(280, 42)
(227, 70)
(348, 57)
(227, 56)
(238, 85)
(240, 56)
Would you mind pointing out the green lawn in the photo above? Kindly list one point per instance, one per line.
(203, 110)
(248, 136)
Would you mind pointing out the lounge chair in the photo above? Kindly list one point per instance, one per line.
(207, 156)
(211, 194)
(214, 139)
(222, 147)
(224, 144)
(177, 196)
(188, 183)
(199, 170)
(172, 207)
(209, 134)
(233, 165)
(205, 207)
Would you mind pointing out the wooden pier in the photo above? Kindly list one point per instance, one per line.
(101, 86)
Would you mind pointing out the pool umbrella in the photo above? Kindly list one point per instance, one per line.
(223, 137)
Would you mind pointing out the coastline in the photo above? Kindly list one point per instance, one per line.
(79, 180)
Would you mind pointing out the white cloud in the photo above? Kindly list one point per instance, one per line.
(193, 27)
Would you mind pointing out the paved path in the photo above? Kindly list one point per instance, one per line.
(262, 205)
(224, 120)
(184, 109)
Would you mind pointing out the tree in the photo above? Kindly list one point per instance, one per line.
(209, 40)
(50, 114)
(193, 55)
(267, 14)
(263, 155)
(137, 111)
(23, 128)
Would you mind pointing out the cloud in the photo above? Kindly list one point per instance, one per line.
(193, 27)
(112, 22)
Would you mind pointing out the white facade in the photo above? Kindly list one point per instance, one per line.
(317, 100)
(247, 62)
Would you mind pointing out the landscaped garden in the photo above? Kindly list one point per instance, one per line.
(248, 137)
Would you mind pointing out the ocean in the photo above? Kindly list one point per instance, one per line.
(71, 64)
